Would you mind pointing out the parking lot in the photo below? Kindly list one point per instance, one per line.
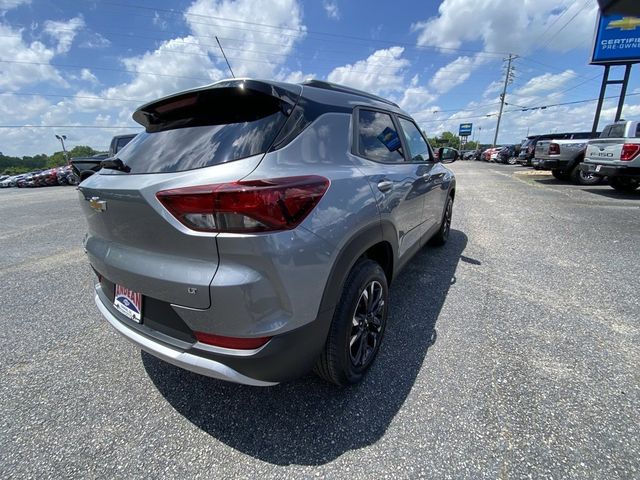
(511, 352)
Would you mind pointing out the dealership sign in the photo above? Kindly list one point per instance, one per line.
(617, 40)
(465, 129)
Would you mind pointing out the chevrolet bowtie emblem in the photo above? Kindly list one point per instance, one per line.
(625, 23)
(97, 204)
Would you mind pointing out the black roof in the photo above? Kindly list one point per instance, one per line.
(343, 89)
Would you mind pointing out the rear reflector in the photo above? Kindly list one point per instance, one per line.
(231, 342)
(246, 206)
(554, 149)
(629, 151)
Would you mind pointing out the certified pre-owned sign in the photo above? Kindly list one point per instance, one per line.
(617, 40)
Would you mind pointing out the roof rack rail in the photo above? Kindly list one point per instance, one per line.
(341, 88)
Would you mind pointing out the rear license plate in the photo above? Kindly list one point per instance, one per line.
(129, 303)
(598, 168)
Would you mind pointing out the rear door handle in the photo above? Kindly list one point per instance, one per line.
(385, 185)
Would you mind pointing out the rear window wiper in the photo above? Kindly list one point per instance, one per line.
(115, 164)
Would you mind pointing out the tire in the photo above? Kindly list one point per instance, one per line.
(441, 237)
(624, 184)
(559, 174)
(357, 327)
(512, 160)
(579, 177)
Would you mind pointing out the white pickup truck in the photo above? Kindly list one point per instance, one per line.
(563, 155)
(616, 155)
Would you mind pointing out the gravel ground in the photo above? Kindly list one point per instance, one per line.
(512, 352)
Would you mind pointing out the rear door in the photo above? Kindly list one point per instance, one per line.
(397, 184)
(199, 138)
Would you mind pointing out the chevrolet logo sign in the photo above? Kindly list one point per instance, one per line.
(97, 204)
(625, 23)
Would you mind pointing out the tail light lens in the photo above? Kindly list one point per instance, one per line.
(629, 151)
(246, 206)
(554, 149)
(231, 342)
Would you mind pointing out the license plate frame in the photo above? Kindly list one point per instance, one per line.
(128, 302)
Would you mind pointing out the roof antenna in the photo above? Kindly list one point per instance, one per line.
(225, 57)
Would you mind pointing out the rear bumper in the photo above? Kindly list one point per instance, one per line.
(552, 164)
(285, 357)
(610, 170)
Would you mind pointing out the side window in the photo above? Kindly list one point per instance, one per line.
(418, 148)
(378, 138)
(638, 130)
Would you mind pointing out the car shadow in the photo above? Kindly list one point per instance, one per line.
(309, 421)
(611, 193)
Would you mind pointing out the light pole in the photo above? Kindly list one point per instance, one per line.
(62, 138)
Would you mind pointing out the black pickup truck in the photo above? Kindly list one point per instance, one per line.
(84, 167)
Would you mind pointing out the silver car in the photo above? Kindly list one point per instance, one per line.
(252, 231)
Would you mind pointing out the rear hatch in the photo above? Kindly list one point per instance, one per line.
(604, 150)
(542, 148)
(207, 136)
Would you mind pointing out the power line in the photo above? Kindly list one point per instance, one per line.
(28, 94)
(588, 4)
(298, 31)
(59, 65)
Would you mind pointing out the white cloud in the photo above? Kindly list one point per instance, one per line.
(508, 26)
(159, 21)
(250, 48)
(85, 74)
(382, 71)
(11, 4)
(493, 88)
(95, 41)
(18, 108)
(63, 32)
(31, 61)
(294, 77)
(331, 8)
(545, 83)
(415, 97)
(455, 73)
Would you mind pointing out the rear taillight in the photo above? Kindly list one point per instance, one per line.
(231, 342)
(554, 149)
(629, 151)
(246, 206)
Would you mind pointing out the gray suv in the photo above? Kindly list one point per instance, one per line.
(251, 232)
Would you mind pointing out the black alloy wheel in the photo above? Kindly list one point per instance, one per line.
(366, 325)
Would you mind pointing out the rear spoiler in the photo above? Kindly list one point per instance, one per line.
(221, 102)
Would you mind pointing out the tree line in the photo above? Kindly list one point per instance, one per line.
(15, 165)
(449, 139)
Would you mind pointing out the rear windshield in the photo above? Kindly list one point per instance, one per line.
(613, 131)
(121, 142)
(230, 133)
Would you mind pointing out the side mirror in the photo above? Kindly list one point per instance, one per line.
(447, 155)
(439, 154)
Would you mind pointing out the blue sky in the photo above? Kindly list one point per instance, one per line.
(91, 63)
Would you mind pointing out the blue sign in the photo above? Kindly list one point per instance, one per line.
(617, 40)
(390, 139)
(465, 129)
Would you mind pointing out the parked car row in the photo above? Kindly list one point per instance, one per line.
(583, 158)
(41, 178)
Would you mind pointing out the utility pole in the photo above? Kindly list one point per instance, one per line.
(508, 78)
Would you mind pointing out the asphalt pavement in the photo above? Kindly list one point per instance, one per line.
(512, 352)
